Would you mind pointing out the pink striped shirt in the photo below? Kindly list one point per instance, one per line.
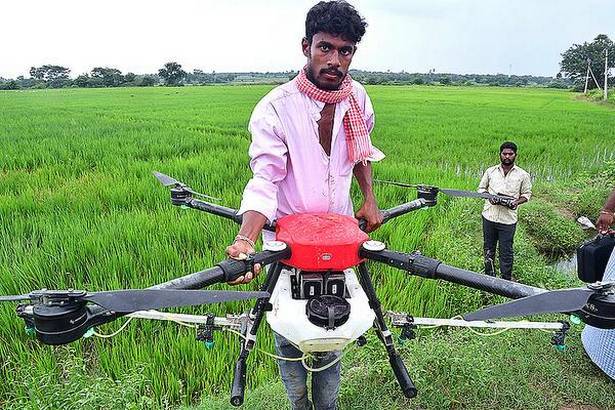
(291, 171)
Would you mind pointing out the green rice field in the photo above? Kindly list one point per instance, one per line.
(79, 208)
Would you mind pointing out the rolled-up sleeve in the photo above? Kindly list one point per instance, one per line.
(484, 182)
(268, 158)
(526, 186)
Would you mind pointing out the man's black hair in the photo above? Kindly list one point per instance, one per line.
(510, 145)
(337, 18)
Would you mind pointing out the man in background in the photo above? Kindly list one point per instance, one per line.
(500, 221)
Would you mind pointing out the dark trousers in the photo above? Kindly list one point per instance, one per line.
(492, 233)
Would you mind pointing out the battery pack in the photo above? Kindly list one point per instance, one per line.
(593, 256)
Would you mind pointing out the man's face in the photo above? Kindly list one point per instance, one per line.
(507, 156)
(329, 58)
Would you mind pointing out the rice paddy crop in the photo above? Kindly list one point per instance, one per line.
(79, 208)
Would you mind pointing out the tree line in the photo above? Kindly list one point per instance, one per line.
(56, 76)
(53, 76)
(572, 75)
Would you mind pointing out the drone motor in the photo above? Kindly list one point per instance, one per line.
(600, 310)
(58, 317)
(179, 195)
(428, 193)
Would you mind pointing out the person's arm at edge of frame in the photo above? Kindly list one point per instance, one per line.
(369, 209)
(363, 173)
(607, 214)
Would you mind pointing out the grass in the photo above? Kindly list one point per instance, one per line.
(79, 208)
(598, 96)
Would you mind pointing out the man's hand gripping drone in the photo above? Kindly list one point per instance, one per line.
(310, 295)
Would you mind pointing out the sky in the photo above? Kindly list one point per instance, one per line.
(452, 36)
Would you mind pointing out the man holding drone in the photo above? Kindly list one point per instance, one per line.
(500, 220)
(309, 136)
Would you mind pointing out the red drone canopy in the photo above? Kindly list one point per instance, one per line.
(321, 241)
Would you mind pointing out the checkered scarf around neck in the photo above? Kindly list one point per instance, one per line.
(357, 136)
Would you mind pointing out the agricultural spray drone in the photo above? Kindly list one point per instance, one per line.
(311, 295)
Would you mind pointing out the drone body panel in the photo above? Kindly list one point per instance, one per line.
(287, 317)
(321, 241)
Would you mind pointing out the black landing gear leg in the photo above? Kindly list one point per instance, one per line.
(254, 320)
(399, 368)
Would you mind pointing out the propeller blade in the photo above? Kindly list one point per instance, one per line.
(465, 194)
(451, 192)
(124, 301)
(165, 179)
(565, 300)
(170, 181)
(14, 298)
(447, 191)
(202, 195)
(384, 181)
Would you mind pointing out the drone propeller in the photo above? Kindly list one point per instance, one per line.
(165, 179)
(556, 301)
(447, 191)
(498, 199)
(133, 300)
(170, 181)
(466, 194)
(145, 299)
(14, 298)
(384, 181)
